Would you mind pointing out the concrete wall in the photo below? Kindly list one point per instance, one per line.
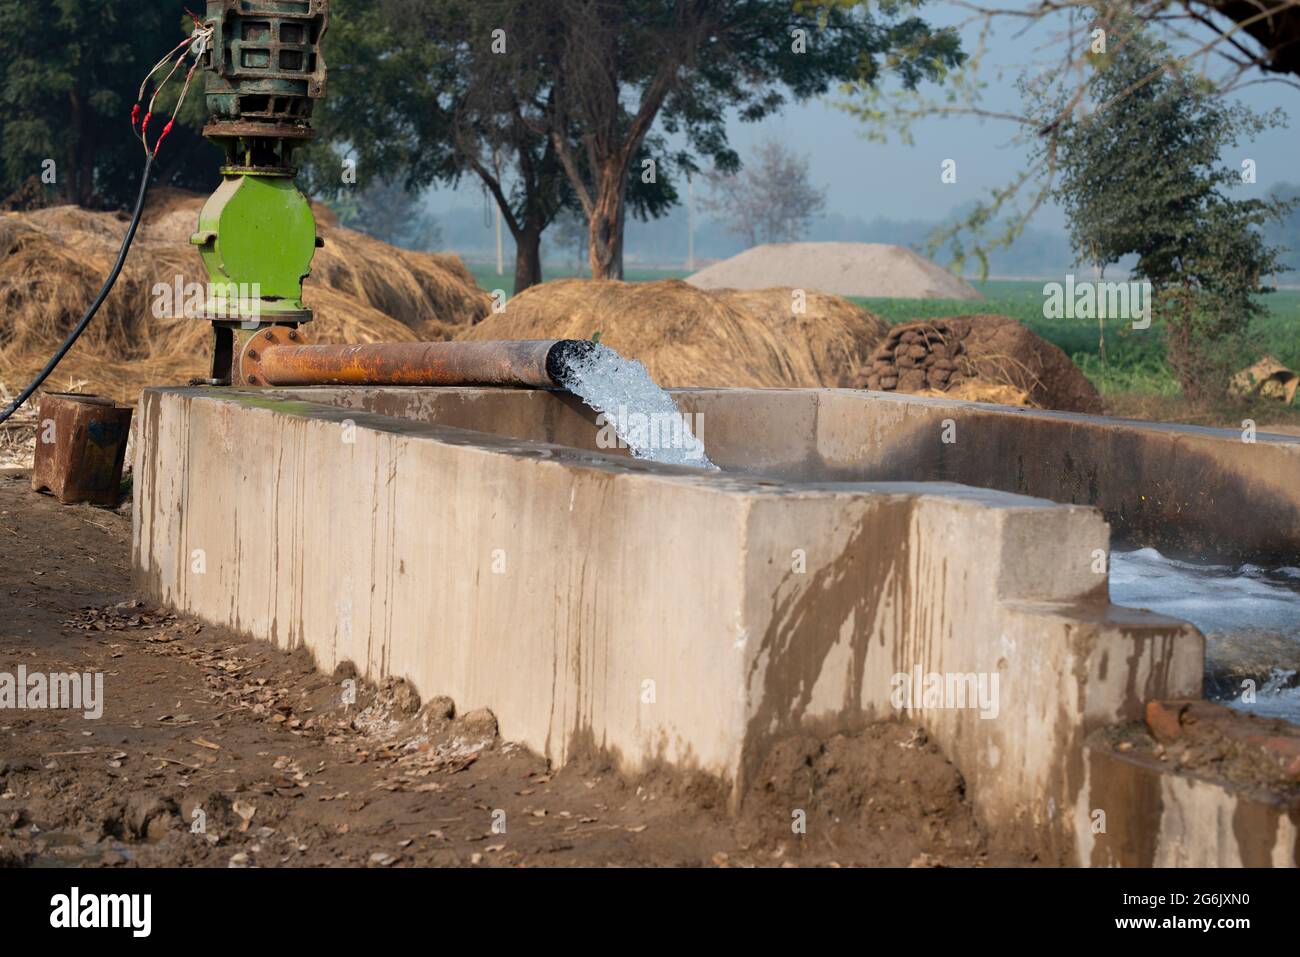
(1183, 489)
(660, 614)
(1186, 490)
(1157, 818)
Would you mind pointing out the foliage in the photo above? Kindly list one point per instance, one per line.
(626, 64)
(1285, 233)
(597, 105)
(386, 210)
(69, 74)
(770, 201)
(1141, 175)
(429, 92)
(1064, 41)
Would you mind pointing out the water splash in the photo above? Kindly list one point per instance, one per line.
(1215, 598)
(639, 413)
(1250, 616)
(1278, 697)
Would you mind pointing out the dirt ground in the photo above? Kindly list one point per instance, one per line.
(214, 750)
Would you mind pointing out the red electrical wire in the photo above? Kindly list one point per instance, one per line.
(196, 44)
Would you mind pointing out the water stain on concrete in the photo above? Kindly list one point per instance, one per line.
(810, 615)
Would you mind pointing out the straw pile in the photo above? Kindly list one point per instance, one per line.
(980, 358)
(53, 261)
(835, 332)
(689, 337)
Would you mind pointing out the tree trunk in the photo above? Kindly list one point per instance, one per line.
(606, 245)
(528, 259)
(86, 176)
(67, 185)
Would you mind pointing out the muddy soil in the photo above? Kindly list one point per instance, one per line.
(214, 750)
(1209, 754)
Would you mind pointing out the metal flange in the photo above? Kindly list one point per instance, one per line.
(250, 356)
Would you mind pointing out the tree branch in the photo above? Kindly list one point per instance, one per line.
(494, 187)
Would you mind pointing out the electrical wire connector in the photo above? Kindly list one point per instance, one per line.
(196, 45)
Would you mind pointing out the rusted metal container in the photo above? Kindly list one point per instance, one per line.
(80, 448)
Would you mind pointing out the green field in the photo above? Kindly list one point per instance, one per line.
(1133, 362)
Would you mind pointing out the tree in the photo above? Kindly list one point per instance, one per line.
(1147, 180)
(69, 73)
(385, 210)
(1286, 232)
(554, 104)
(623, 63)
(488, 91)
(571, 236)
(771, 201)
(1229, 44)
(433, 90)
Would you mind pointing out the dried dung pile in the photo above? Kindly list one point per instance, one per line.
(970, 356)
(53, 261)
(688, 337)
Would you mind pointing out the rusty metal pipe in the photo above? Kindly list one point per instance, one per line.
(537, 363)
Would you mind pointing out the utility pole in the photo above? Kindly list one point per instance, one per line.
(501, 249)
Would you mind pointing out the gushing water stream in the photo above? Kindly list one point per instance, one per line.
(1250, 616)
(640, 413)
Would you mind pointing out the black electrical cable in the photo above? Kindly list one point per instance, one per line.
(75, 334)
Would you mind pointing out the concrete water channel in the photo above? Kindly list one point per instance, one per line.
(858, 557)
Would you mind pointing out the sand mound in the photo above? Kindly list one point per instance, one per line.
(53, 261)
(970, 357)
(841, 269)
(688, 337)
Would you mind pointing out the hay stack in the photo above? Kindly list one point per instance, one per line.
(689, 337)
(977, 390)
(856, 331)
(53, 261)
(978, 358)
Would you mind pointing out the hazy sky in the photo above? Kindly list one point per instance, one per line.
(897, 181)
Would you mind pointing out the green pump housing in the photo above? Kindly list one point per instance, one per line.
(257, 235)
